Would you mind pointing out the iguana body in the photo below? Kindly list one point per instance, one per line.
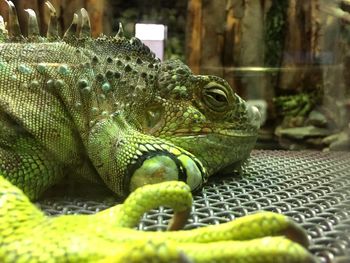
(107, 110)
(104, 108)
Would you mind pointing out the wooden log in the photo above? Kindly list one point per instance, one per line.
(3, 10)
(252, 34)
(292, 76)
(95, 9)
(313, 80)
(194, 35)
(252, 47)
(270, 77)
(315, 23)
(335, 65)
(213, 36)
(232, 42)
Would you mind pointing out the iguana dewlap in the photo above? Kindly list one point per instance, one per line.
(108, 110)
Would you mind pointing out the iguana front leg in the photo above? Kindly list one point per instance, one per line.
(27, 234)
(23, 160)
(27, 166)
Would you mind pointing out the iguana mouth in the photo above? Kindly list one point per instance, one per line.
(231, 129)
(220, 132)
(216, 150)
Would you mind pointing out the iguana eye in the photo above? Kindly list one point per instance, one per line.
(215, 96)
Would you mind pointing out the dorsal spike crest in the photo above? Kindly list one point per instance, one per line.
(13, 27)
(120, 32)
(52, 29)
(33, 27)
(72, 30)
(85, 29)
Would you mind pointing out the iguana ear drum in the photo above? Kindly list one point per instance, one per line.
(158, 166)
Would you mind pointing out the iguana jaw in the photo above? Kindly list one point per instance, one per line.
(216, 151)
(215, 142)
(228, 129)
(217, 132)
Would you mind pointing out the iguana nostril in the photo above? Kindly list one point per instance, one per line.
(254, 116)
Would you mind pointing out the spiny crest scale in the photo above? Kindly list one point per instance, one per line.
(78, 34)
(52, 29)
(14, 28)
(33, 27)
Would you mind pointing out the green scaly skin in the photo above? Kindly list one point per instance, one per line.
(109, 236)
(107, 110)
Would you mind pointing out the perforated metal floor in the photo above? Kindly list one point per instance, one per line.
(311, 187)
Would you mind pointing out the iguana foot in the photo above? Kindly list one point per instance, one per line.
(27, 234)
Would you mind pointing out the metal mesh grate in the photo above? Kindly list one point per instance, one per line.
(311, 187)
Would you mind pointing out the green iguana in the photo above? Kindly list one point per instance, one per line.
(108, 110)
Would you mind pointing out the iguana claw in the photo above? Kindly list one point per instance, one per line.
(109, 236)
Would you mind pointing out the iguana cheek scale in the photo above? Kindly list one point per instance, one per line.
(108, 110)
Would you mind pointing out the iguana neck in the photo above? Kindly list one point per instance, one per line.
(138, 158)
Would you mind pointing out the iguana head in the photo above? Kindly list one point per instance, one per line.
(175, 125)
(168, 124)
(202, 115)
